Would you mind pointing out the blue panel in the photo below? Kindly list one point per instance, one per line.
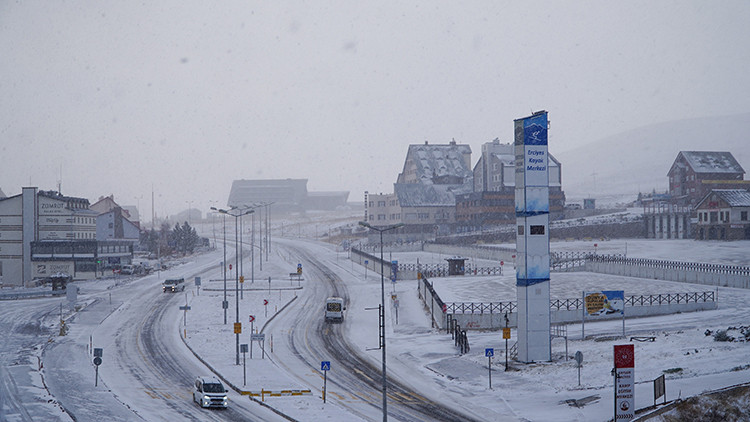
(525, 282)
(535, 130)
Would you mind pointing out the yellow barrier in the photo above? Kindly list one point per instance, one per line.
(275, 393)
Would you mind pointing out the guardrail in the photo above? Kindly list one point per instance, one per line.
(29, 295)
(473, 315)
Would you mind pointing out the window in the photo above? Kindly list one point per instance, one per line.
(536, 230)
(743, 215)
(520, 230)
(381, 203)
(381, 216)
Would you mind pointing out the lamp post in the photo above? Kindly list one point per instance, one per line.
(224, 265)
(382, 301)
(236, 273)
(190, 220)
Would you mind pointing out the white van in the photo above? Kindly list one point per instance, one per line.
(210, 392)
(334, 311)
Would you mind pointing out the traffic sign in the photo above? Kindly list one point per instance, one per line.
(97, 361)
(242, 279)
(258, 337)
(97, 352)
(325, 365)
(243, 348)
(237, 327)
(197, 281)
(185, 308)
(489, 352)
(225, 304)
(252, 318)
(579, 358)
(265, 302)
(506, 333)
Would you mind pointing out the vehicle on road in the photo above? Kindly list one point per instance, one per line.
(334, 311)
(173, 285)
(127, 269)
(210, 392)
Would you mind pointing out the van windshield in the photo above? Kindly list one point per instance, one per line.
(213, 388)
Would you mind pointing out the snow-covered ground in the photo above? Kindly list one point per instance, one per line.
(418, 355)
(427, 359)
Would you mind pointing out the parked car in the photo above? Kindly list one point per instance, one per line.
(127, 269)
(210, 392)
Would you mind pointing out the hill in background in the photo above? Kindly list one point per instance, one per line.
(614, 169)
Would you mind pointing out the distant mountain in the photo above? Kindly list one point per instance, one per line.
(616, 168)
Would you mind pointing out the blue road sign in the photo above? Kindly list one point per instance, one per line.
(185, 308)
(489, 352)
(325, 365)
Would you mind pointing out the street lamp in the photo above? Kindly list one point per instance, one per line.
(224, 304)
(236, 273)
(382, 301)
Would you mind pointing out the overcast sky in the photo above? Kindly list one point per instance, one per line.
(186, 96)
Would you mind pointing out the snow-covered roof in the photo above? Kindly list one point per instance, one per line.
(419, 195)
(440, 161)
(733, 197)
(711, 161)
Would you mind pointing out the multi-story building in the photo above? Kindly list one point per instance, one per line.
(692, 176)
(695, 173)
(423, 197)
(492, 201)
(45, 232)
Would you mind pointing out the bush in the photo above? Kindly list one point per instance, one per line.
(722, 335)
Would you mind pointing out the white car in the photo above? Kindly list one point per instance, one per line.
(210, 392)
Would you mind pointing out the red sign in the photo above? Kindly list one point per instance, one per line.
(624, 382)
(265, 302)
(230, 266)
(252, 318)
(625, 356)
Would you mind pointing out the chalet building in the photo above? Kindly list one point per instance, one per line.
(423, 197)
(724, 214)
(492, 200)
(695, 173)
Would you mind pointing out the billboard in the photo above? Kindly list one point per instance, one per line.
(605, 302)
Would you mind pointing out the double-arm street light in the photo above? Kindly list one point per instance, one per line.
(236, 272)
(380, 230)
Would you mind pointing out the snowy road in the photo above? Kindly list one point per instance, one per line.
(24, 327)
(355, 382)
(146, 374)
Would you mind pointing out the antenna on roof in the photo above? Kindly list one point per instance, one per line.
(59, 182)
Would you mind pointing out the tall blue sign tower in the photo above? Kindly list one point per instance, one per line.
(532, 238)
